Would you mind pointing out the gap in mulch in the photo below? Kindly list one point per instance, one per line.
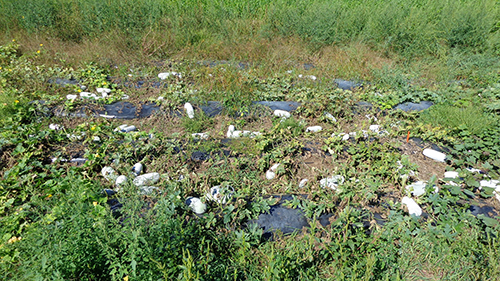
(426, 166)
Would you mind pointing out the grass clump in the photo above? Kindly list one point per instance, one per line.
(198, 124)
(471, 118)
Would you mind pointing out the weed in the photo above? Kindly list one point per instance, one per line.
(471, 118)
(198, 124)
(289, 127)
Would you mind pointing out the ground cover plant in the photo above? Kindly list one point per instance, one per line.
(195, 86)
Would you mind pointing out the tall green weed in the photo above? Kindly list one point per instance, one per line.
(409, 27)
(406, 26)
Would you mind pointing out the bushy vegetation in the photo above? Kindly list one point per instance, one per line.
(409, 27)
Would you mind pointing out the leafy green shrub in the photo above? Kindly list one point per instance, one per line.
(288, 127)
